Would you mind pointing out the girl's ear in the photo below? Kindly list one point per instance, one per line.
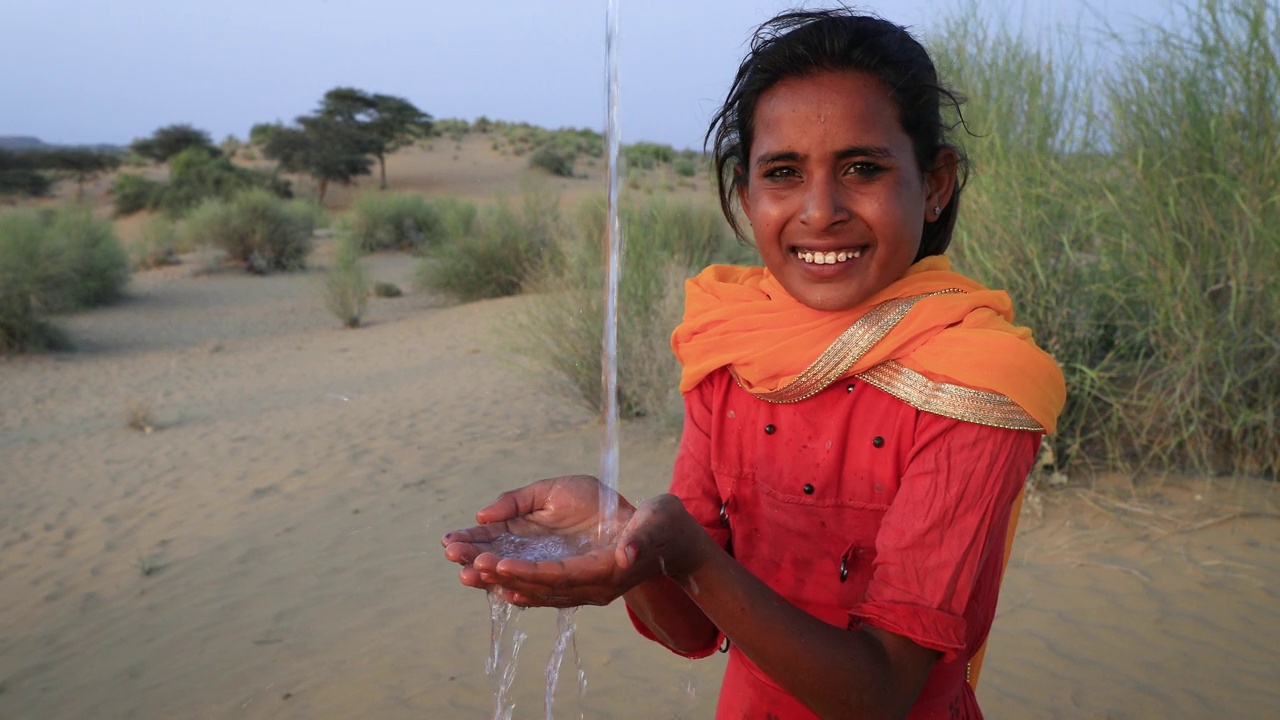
(940, 182)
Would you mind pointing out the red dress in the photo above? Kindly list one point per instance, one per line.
(903, 513)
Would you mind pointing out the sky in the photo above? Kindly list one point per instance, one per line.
(88, 71)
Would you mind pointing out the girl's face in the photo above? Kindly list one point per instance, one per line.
(833, 191)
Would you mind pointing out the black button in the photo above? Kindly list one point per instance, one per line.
(850, 388)
(724, 515)
(877, 441)
(844, 569)
(808, 488)
(770, 429)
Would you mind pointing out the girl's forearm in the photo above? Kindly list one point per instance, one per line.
(834, 671)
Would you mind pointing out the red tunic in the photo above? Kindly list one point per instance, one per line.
(903, 515)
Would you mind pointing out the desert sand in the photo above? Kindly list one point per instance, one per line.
(267, 546)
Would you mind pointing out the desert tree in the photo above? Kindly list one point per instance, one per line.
(327, 149)
(390, 122)
(170, 140)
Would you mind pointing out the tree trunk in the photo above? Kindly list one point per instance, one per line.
(323, 188)
(382, 165)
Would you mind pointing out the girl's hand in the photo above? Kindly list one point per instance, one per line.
(661, 537)
(565, 509)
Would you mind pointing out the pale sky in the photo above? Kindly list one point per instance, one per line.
(87, 71)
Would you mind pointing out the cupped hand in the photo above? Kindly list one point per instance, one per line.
(562, 511)
(659, 538)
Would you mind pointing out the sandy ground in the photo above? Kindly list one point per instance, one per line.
(271, 548)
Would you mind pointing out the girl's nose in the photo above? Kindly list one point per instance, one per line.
(824, 203)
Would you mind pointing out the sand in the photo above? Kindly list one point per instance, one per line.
(270, 548)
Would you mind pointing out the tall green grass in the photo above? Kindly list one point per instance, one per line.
(1135, 219)
(665, 243)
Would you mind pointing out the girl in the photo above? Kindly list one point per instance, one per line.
(859, 419)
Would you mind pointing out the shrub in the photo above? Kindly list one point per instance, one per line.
(384, 221)
(158, 245)
(196, 174)
(508, 246)
(50, 261)
(648, 155)
(134, 193)
(554, 159)
(346, 287)
(88, 257)
(257, 229)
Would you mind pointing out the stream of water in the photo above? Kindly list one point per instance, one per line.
(613, 275)
(506, 638)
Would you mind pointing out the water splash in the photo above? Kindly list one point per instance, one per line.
(537, 548)
(505, 641)
(613, 273)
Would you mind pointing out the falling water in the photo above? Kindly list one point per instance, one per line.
(613, 272)
(505, 641)
(501, 665)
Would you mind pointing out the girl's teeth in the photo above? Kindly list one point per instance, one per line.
(828, 258)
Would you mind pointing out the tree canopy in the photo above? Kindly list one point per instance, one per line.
(334, 144)
(389, 121)
(170, 140)
(324, 148)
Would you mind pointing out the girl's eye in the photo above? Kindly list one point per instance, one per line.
(780, 172)
(866, 169)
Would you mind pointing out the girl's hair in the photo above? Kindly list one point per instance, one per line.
(802, 43)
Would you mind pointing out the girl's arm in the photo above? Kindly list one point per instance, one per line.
(866, 673)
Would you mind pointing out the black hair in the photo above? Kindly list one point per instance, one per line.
(800, 43)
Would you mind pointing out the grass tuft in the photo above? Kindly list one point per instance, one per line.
(346, 287)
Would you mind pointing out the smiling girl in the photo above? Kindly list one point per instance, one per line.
(859, 419)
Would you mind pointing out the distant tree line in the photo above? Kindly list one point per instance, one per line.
(27, 171)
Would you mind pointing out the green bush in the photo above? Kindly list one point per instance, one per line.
(258, 229)
(158, 245)
(134, 193)
(93, 264)
(346, 287)
(51, 261)
(507, 247)
(195, 174)
(554, 159)
(648, 155)
(386, 221)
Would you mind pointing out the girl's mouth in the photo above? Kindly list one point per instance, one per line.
(829, 257)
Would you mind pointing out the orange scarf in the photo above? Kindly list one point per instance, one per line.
(742, 318)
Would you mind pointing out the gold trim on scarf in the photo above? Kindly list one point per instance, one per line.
(940, 398)
(847, 349)
(949, 400)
